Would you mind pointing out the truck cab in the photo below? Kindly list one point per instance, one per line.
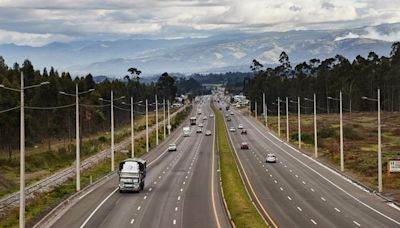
(132, 173)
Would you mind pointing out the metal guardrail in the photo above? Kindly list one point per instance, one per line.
(45, 185)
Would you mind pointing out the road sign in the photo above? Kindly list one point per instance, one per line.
(394, 166)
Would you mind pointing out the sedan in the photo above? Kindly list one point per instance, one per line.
(208, 133)
(211, 115)
(271, 158)
(172, 147)
(199, 130)
(240, 126)
(244, 146)
(205, 118)
(232, 129)
(243, 132)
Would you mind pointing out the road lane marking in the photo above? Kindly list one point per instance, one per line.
(289, 198)
(290, 170)
(184, 182)
(138, 208)
(281, 188)
(176, 208)
(87, 193)
(358, 224)
(304, 182)
(337, 209)
(212, 179)
(150, 189)
(297, 176)
(145, 197)
(181, 189)
(97, 208)
(312, 189)
(132, 221)
(179, 198)
(174, 221)
(275, 181)
(323, 177)
(312, 220)
(323, 199)
(299, 208)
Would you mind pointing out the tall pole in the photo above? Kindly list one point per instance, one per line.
(147, 127)
(299, 120)
(263, 106)
(341, 133)
(379, 144)
(132, 131)
(22, 159)
(156, 121)
(255, 109)
(165, 122)
(169, 120)
(315, 127)
(279, 116)
(78, 165)
(112, 131)
(287, 119)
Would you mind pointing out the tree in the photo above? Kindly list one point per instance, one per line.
(165, 86)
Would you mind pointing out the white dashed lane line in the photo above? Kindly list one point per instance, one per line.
(281, 188)
(323, 199)
(299, 208)
(174, 221)
(337, 210)
(289, 198)
(358, 224)
(138, 208)
(179, 198)
(132, 221)
(312, 220)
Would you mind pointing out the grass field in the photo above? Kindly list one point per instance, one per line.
(243, 212)
(360, 144)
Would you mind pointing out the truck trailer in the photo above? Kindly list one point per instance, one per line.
(132, 173)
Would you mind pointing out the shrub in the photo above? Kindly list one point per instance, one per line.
(327, 132)
(307, 138)
(350, 133)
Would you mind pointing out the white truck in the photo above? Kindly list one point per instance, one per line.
(186, 131)
(132, 173)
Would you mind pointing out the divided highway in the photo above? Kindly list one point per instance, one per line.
(298, 191)
(181, 190)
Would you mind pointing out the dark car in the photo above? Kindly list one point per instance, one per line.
(244, 146)
(244, 132)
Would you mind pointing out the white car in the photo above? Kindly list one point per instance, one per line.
(271, 158)
(232, 129)
(199, 130)
(205, 118)
(208, 133)
(211, 115)
(172, 147)
(240, 126)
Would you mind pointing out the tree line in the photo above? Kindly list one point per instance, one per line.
(45, 125)
(357, 78)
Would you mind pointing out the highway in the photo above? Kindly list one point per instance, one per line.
(181, 188)
(298, 191)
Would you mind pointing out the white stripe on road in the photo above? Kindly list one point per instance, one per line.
(337, 209)
(132, 221)
(358, 224)
(312, 220)
(289, 198)
(87, 193)
(299, 208)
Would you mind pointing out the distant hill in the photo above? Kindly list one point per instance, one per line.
(217, 54)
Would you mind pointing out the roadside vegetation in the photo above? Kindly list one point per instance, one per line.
(243, 212)
(43, 203)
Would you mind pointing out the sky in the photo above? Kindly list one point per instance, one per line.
(39, 22)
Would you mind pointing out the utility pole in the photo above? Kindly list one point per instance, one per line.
(112, 131)
(132, 131)
(287, 119)
(165, 122)
(255, 109)
(156, 121)
(279, 116)
(265, 111)
(315, 127)
(147, 127)
(169, 120)
(341, 133)
(299, 120)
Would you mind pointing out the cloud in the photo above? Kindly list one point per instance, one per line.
(112, 19)
(31, 39)
(371, 33)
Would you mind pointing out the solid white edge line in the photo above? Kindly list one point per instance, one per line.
(87, 193)
(326, 179)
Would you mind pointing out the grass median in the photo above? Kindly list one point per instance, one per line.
(243, 212)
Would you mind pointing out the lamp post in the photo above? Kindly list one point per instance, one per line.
(112, 125)
(341, 129)
(147, 126)
(287, 119)
(169, 120)
(255, 109)
(265, 111)
(132, 125)
(165, 123)
(279, 116)
(77, 162)
(156, 120)
(21, 90)
(298, 119)
(315, 124)
(379, 139)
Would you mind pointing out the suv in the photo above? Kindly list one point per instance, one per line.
(244, 146)
(271, 158)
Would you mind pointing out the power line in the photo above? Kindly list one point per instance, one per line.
(49, 108)
(10, 109)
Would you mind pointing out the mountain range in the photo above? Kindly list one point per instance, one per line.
(222, 53)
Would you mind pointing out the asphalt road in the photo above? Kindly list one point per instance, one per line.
(298, 191)
(181, 189)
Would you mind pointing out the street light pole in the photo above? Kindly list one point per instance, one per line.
(341, 133)
(132, 131)
(147, 127)
(22, 158)
(112, 131)
(156, 121)
(279, 116)
(379, 144)
(78, 159)
(287, 119)
(315, 127)
(299, 120)
(165, 122)
(169, 120)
